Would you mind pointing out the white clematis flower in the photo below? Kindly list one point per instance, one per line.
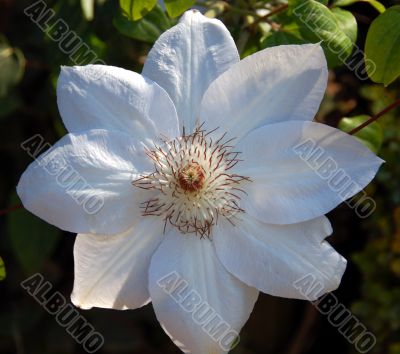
(181, 197)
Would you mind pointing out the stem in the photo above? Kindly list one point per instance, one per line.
(375, 117)
(10, 209)
(273, 12)
(278, 9)
(228, 6)
(240, 11)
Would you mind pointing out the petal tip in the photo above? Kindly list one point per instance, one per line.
(333, 282)
(189, 14)
(316, 50)
(339, 272)
(66, 70)
(327, 227)
(22, 188)
(380, 161)
(337, 275)
(195, 15)
(80, 305)
(66, 73)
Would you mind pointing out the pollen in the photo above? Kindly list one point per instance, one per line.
(193, 183)
(191, 177)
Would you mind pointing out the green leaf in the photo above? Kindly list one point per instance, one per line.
(12, 66)
(148, 29)
(136, 9)
(22, 317)
(97, 45)
(88, 9)
(252, 46)
(216, 9)
(32, 240)
(178, 7)
(316, 23)
(2, 270)
(382, 47)
(376, 4)
(9, 104)
(347, 22)
(371, 135)
(280, 38)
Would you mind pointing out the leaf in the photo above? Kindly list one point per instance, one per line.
(371, 135)
(347, 22)
(136, 9)
(216, 9)
(376, 4)
(147, 29)
(317, 23)
(9, 104)
(99, 47)
(88, 9)
(12, 66)
(382, 47)
(178, 7)
(252, 46)
(32, 240)
(280, 38)
(2, 270)
(22, 317)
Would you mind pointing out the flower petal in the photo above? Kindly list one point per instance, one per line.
(107, 97)
(277, 259)
(187, 58)
(274, 85)
(83, 183)
(200, 305)
(112, 272)
(302, 170)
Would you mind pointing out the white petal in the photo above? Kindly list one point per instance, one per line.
(192, 292)
(302, 170)
(83, 183)
(112, 272)
(292, 261)
(187, 58)
(107, 97)
(274, 85)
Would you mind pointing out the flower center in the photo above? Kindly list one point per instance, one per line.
(191, 177)
(193, 183)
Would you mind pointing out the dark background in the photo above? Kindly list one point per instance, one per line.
(370, 286)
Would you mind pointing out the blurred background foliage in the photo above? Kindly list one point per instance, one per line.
(121, 34)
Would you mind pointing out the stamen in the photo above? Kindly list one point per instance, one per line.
(191, 176)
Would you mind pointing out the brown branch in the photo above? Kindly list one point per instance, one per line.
(273, 12)
(10, 209)
(375, 117)
(306, 331)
